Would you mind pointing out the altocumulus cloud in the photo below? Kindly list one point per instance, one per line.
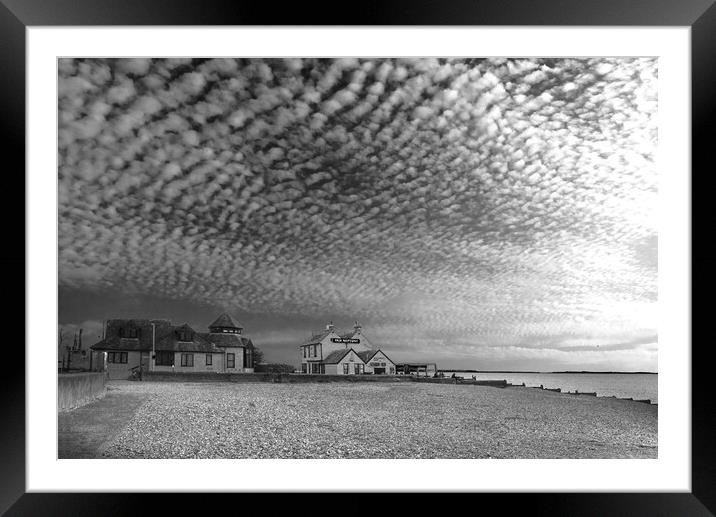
(457, 207)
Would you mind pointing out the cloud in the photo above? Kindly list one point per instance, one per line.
(511, 198)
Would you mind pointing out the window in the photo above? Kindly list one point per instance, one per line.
(315, 350)
(184, 335)
(209, 360)
(187, 359)
(133, 332)
(164, 358)
(345, 368)
(304, 365)
(117, 357)
(230, 361)
(304, 351)
(356, 369)
(392, 371)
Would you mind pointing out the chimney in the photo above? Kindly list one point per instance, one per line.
(330, 326)
(357, 328)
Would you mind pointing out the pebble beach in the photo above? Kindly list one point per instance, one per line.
(368, 420)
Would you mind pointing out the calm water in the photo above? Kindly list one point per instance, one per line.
(636, 385)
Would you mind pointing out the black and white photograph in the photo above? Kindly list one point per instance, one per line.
(357, 258)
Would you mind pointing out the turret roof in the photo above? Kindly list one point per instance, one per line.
(225, 321)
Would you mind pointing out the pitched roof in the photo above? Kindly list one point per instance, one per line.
(384, 355)
(366, 355)
(315, 338)
(336, 356)
(225, 321)
(170, 342)
(348, 335)
(114, 341)
(125, 344)
(224, 340)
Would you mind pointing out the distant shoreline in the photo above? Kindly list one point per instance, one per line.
(520, 371)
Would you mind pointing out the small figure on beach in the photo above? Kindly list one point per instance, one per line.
(474, 378)
(453, 375)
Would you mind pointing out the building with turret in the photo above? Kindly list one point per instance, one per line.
(157, 345)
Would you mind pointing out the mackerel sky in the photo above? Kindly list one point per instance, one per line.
(483, 213)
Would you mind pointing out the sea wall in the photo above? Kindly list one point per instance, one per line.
(304, 378)
(77, 389)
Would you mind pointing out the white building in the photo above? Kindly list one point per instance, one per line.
(328, 352)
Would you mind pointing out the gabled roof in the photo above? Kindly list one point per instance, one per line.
(375, 352)
(366, 355)
(337, 356)
(170, 342)
(125, 344)
(315, 338)
(225, 321)
(349, 335)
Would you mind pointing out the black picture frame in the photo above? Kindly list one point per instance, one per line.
(17, 15)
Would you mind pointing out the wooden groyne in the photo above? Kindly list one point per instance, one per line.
(577, 392)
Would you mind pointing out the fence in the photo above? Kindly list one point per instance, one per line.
(77, 389)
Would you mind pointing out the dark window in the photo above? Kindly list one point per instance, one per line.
(121, 332)
(356, 368)
(185, 335)
(165, 358)
(304, 351)
(230, 361)
(345, 368)
(117, 357)
(209, 360)
(187, 359)
(303, 366)
(133, 332)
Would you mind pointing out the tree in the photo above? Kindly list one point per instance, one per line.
(258, 356)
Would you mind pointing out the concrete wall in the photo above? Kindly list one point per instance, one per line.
(238, 360)
(77, 389)
(350, 359)
(123, 370)
(217, 363)
(303, 378)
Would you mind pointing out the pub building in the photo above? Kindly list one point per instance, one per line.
(349, 353)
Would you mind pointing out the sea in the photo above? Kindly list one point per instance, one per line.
(622, 385)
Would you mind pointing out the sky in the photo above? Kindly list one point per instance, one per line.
(478, 213)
